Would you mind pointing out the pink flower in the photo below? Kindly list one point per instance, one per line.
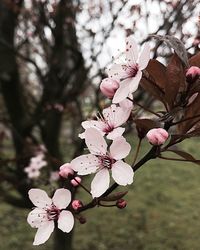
(109, 123)
(100, 161)
(66, 170)
(130, 73)
(76, 181)
(36, 163)
(49, 210)
(76, 204)
(192, 74)
(108, 87)
(157, 136)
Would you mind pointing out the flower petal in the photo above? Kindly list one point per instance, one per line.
(39, 198)
(115, 116)
(43, 233)
(61, 198)
(115, 133)
(120, 148)
(131, 50)
(99, 125)
(66, 221)
(100, 183)
(85, 164)
(37, 217)
(122, 92)
(95, 142)
(116, 72)
(122, 173)
(134, 83)
(144, 57)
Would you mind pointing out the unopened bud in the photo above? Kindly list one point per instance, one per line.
(108, 87)
(76, 181)
(121, 203)
(157, 136)
(82, 220)
(76, 204)
(192, 74)
(66, 170)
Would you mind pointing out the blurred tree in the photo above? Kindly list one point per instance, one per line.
(53, 53)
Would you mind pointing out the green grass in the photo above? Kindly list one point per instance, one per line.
(162, 214)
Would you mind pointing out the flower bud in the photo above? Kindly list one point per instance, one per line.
(157, 136)
(192, 74)
(82, 220)
(66, 170)
(75, 182)
(108, 87)
(76, 204)
(121, 203)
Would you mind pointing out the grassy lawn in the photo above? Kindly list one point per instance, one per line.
(162, 214)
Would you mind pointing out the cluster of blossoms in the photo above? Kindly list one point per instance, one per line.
(36, 164)
(106, 145)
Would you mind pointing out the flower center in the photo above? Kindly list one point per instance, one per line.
(131, 70)
(53, 213)
(106, 161)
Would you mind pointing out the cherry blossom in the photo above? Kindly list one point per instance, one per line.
(48, 211)
(129, 73)
(110, 121)
(100, 161)
(36, 163)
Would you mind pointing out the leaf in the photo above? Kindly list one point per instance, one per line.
(149, 84)
(195, 60)
(185, 156)
(144, 125)
(176, 79)
(191, 111)
(114, 197)
(177, 45)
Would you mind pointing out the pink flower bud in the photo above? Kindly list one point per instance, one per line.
(66, 170)
(76, 204)
(157, 136)
(75, 182)
(108, 87)
(121, 203)
(192, 74)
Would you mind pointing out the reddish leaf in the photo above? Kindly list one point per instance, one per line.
(195, 60)
(185, 156)
(144, 125)
(176, 79)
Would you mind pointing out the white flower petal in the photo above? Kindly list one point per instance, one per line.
(95, 142)
(43, 233)
(122, 173)
(93, 124)
(66, 221)
(122, 92)
(61, 198)
(37, 217)
(116, 72)
(144, 57)
(100, 183)
(39, 198)
(85, 164)
(115, 133)
(115, 116)
(120, 148)
(134, 83)
(131, 50)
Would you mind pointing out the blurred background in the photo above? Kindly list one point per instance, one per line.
(53, 56)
